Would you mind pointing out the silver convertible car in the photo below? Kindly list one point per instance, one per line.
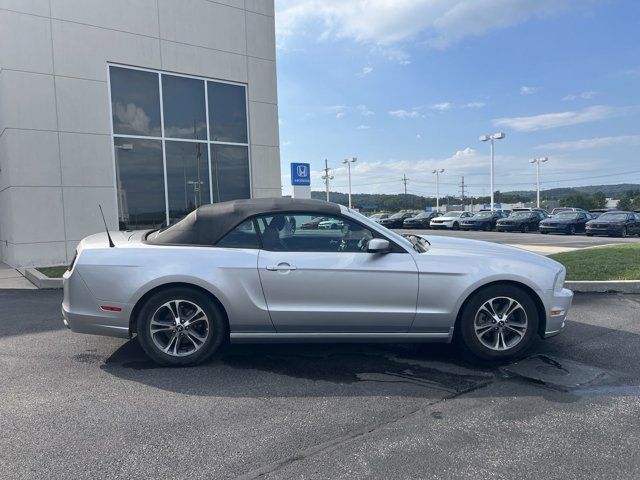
(243, 271)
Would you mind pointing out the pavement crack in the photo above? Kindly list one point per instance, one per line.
(349, 436)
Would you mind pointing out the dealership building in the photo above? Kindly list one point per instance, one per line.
(148, 108)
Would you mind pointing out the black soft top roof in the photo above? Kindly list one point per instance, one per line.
(209, 223)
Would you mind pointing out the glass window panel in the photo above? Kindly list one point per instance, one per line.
(184, 108)
(230, 165)
(333, 234)
(187, 177)
(243, 236)
(135, 102)
(140, 183)
(227, 112)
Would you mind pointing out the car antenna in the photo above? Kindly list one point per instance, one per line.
(111, 244)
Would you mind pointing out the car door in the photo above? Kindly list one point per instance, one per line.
(325, 281)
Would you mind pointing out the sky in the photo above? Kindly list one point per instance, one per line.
(408, 86)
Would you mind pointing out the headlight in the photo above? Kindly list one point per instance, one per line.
(559, 283)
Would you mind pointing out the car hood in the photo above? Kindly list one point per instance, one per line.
(597, 220)
(558, 220)
(462, 246)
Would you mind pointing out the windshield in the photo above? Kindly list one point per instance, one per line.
(566, 215)
(520, 215)
(482, 215)
(423, 215)
(453, 214)
(378, 216)
(396, 215)
(613, 216)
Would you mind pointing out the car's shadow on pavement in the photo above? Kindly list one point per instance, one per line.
(272, 370)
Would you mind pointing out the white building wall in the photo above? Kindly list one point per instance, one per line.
(56, 160)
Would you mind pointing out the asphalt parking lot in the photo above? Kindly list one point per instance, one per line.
(76, 406)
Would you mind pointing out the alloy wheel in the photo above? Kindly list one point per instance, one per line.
(179, 328)
(500, 323)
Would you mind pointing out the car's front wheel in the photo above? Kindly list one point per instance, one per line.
(181, 326)
(498, 323)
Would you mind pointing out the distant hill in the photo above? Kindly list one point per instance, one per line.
(368, 201)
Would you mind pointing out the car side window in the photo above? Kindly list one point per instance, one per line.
(331, 234)
(243, 236)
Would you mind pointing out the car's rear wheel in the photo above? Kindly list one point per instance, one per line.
(498, 323)
(181, 326)
(525, 228)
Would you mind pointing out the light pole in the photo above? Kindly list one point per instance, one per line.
(484, 138)
(437, 172)
(349, 161)
(538, 161)
(326, 177)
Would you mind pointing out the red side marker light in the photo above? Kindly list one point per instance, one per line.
(107, 308)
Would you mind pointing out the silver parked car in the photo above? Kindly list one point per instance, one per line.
(241, 271)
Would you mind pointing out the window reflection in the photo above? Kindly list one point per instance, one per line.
(230, 166)
(135, 102)
(184, 108)
(227, 113)
(140, 183)
(187, 177)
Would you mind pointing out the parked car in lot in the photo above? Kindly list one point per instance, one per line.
(614, 223)
(240, 275)
(557, 210)
(422, 220)
(482, 221)
(450, 220)
(376, 217)
(330, 224)
(313, 223)
(568, 222)
(596, 212)
(396, 220)
(531, 209)
(520, 221)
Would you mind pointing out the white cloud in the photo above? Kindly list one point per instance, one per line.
(418, 136)
(340, 114)
(132, 116)
(286, 143)
(363, 127)
(387, 24)
(404, 113)
(366, 71)
(552, 120)
(584, 95)
(525, 90)
(441, 106)
(476, 104)
(364, 111)
(589, 143)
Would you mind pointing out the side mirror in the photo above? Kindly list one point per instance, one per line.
(378, 245)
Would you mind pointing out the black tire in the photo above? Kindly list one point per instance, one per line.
(525, 228)
(216, 335)
(543, 232)
(466, 338)
(624, 232)
(572, 230)
(589, 234)
(456, 226)
(487, 227)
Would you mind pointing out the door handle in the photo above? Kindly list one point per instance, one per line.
(281, 267)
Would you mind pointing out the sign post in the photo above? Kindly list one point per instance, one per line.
(301, 180)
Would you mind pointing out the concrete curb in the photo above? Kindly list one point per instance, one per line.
(593, 286)
(40, 280)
